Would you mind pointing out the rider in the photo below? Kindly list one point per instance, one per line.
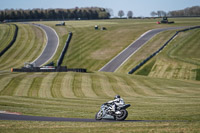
(118, 101)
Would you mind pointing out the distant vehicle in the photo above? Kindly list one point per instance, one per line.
(5, 21)
(96, 27)
(165, 21)
(61, 24)
(103, 28)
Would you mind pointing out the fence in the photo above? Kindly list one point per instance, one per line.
(64, 49)
(155, 53)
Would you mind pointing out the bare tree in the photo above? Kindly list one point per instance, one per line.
(121, 13)
(161, 13)
(153, 14)
(110, 11)
(130, 14)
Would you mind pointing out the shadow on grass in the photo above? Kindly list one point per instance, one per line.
(197, 74)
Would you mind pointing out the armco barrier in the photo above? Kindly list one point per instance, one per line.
(64, 49)
(52, 69)
(155, 53)
(12, 42)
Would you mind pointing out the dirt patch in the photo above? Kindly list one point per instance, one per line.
(8, 112)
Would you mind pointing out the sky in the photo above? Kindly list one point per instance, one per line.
(141, 8)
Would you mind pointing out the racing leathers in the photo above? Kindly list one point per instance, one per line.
(116, 103)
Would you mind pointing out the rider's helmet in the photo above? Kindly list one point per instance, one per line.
(117, 96)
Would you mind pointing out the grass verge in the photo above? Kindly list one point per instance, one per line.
(68, 127)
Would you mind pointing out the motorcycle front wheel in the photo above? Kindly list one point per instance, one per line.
(98, 115)
(122, 116)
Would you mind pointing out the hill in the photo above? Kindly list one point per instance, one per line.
(170, 104)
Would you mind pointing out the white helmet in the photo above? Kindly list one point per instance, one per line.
(117, 96)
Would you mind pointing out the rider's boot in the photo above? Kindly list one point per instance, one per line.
(117, 112)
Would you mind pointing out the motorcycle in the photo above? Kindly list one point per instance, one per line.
(106, 112)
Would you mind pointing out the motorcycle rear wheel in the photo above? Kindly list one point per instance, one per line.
(122, 116)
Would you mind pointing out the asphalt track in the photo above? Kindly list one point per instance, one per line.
(122, 57)
(51, 46)
(60, 119)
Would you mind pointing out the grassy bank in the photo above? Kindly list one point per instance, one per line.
(28, 46)
(6, 35)
(179, 60)
(62, 94)
(92, 49)
(69, 127)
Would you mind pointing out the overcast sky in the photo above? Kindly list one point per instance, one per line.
(139, 7)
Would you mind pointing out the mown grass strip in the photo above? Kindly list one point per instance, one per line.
(5, 80)
(125, 86)
(116, 85)
(86, 86)
(142, 88)
(56, 85)
(186, 49)
(45, 88)
(35, 86)
(6, 35)
(154, 87)
(23, 88)
(67, 86)
(107, 87)
(10, 88)
(77, 89)
(4, 32)
(96, 86)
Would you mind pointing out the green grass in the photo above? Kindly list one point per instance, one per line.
(162, 95)
(28, 46)
(51, 96)
(69, 127)
(198, 74)
(6, 35)
(147, 69)
(180, 58)
(176, 61)
(186, 47)
(92, 49)
(79, 95)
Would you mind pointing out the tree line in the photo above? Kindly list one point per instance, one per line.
(190, 11)
(55, 14)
